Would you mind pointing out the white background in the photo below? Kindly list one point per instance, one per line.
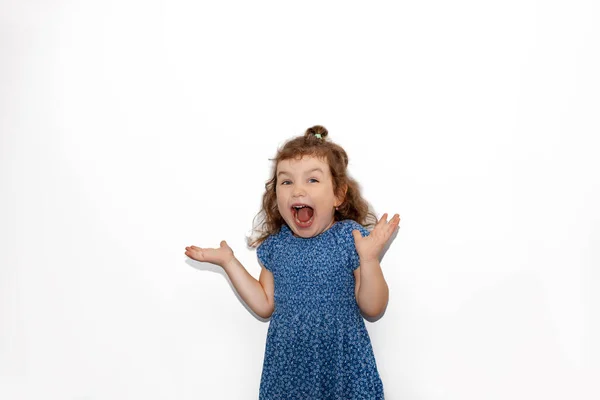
(131, 129)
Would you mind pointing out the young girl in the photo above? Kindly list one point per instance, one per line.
(320, 270)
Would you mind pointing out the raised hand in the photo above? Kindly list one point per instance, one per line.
(369, 248)
(219, 256)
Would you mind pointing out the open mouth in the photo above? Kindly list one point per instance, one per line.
(303, 215)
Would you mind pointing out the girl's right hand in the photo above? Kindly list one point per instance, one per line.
(220, 256)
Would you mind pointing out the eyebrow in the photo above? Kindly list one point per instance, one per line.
(307, 172)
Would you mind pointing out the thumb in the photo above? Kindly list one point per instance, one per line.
(224, 244)
(356, 234)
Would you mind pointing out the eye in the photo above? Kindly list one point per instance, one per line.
(286, 182)
(313, 180)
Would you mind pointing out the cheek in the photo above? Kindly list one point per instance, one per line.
(280, 202)
(327, 197)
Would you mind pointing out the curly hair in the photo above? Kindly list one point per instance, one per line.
(313, 143)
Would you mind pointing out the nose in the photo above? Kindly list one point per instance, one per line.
(299, 190)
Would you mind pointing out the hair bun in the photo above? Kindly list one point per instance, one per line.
(316, 130)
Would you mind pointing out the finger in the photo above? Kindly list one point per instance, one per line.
(357, 235)
(387, 228)
(391, 226)
(194, 254)
(383, 219)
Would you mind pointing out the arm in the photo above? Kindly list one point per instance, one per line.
(371, 289)
(258, 295)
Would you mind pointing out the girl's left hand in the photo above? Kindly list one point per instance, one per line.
(369, 247)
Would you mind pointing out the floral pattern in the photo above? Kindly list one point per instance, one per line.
(317, 344)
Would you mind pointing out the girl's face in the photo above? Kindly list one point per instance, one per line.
(305, 197)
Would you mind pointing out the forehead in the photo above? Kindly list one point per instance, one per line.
(304, 164)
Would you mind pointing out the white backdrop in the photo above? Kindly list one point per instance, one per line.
(131, 129)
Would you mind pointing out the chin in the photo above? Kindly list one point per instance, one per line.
(304, 235)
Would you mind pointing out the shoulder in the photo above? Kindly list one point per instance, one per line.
(264, 251)
(268, 242)
(266, 248)
(344, 230)
(348, 225)
(345, 240)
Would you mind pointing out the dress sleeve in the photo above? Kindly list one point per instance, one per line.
(354, 260)
(264, 253)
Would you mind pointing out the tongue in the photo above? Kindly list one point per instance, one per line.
(304, 214)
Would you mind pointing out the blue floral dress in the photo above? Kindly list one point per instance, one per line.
(317, 344)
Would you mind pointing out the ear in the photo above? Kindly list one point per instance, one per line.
(341, 195)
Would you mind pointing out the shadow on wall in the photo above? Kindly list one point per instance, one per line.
(203, 266)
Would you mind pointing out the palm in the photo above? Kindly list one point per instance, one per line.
(218, 256)
(370, 247)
